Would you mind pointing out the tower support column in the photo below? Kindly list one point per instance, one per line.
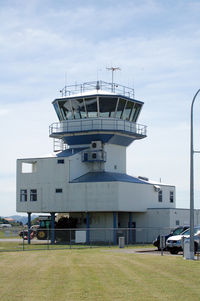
(29, 228)
(114, 228)
(130, 225)
(88, 228)
(52, 228)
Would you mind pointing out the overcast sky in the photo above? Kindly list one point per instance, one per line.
(156, 44)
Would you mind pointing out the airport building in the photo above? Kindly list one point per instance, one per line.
(86, 177)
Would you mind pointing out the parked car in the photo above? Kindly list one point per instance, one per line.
(175, 243)
(196, 242)
(5, 226)
(176, 231)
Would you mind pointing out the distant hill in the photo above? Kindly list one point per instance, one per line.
(22, 218)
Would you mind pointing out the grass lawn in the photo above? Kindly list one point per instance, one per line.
(96, 274)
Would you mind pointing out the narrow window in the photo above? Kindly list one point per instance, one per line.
(33, 195)
(60, 161)
(23, 195)
(171, 196)
(59, 190)
(160, 196)
(94, 156)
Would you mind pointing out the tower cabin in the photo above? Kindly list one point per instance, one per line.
(86, 174)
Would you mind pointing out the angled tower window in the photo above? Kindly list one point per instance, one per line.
(78, 107)
(23, 195)
(107, 106)
(127, 110)
(91, 107)
(66, 109)
(120, 108)
(56, 107)
(137, 111)
(132, 112)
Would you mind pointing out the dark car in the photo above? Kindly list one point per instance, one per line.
(176, 231)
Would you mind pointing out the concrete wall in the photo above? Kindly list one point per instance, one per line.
(47, 176)
(139, 197)
(116, 158)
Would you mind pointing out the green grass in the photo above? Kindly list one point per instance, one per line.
(9, 233)
(96, 274)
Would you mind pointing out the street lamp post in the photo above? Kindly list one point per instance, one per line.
(192, 151)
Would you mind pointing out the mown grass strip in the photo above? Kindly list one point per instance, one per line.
(96, 274)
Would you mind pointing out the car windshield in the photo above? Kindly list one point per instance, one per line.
(187, 232)
(178, 231)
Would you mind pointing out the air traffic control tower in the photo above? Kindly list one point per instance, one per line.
(95, 115)
(86, 175)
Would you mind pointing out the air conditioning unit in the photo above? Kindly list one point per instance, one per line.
(94, 156)
(96, 145)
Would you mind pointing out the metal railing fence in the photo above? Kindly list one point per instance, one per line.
(16, 239)
(70, 90)
(68, 126)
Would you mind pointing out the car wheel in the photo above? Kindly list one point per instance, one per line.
(41, 234)
(173, 251)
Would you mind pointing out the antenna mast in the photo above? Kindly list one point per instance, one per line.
(113, 69)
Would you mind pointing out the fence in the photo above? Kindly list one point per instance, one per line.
(17, 238)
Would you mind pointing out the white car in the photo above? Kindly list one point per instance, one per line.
(5, 225)
(175, 243)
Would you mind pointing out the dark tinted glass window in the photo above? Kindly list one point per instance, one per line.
(59, 190)
(137, 111)
(120, 107)
(78, 107)
(107, 106)
(66, 109)
(91, 107)
(33, 195)
(132, 112)
(60, 161)
(160, 196)
(127, 110)
(57, 111)
(171, 196)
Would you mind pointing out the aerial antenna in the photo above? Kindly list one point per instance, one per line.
(65, 83)
(113, 69)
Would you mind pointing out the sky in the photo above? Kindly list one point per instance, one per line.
(156, 43)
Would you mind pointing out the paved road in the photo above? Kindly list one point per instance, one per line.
(148, 251)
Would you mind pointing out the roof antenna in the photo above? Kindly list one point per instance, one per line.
(113, 69)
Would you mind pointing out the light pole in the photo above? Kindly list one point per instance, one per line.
(192, 151)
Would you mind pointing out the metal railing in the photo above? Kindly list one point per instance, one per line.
(97, 85)
(16, 239)
(99, 124)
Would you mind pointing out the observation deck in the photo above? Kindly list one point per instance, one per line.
(97, 111)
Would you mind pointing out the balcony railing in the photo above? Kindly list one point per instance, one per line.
(97, 124)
